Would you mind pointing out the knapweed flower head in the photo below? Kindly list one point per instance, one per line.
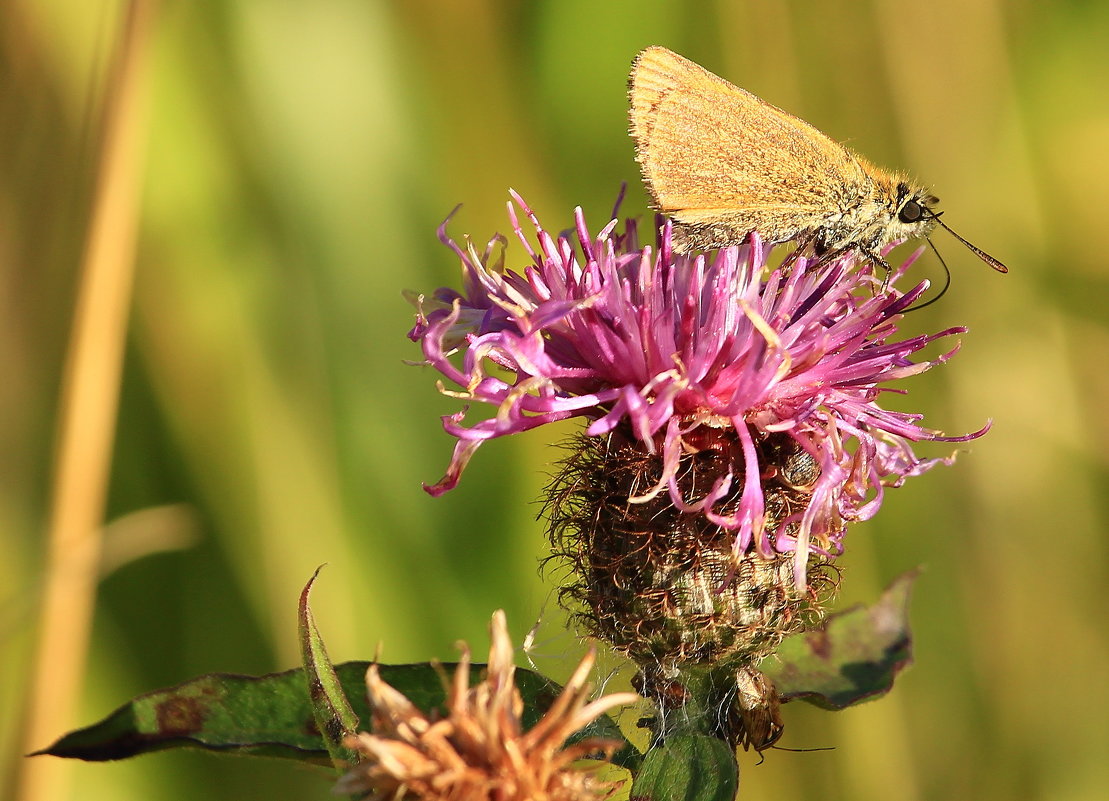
(480, 750)
(733, 419)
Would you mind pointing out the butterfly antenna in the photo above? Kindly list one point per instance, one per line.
(803, 750)
(977, 251)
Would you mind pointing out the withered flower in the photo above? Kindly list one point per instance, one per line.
(479, 750)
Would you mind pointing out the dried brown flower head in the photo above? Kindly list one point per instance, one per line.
(479, 750)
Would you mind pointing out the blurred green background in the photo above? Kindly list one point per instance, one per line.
(300, 158)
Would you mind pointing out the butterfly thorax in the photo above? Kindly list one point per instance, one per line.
(880, 209)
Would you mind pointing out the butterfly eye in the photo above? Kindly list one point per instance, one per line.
(910, 212)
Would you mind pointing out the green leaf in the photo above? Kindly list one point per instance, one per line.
(272, 716)
(332, 711)
(853, 658)
(688, 767)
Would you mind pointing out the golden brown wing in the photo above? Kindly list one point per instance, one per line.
(710, 151)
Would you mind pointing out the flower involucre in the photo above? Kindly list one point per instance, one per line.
(479, 750)
(711, 366)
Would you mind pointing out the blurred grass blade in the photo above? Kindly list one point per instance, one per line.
(688, 768)
(335, 719)
(88, 406)
(854, 657)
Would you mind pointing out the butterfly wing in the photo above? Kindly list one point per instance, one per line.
(719, 159)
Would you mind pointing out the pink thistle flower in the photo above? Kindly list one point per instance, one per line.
(680, 350)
